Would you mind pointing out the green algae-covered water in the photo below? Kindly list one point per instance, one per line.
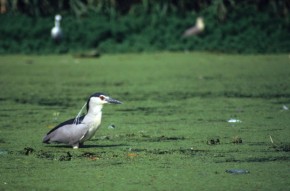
(172, 132)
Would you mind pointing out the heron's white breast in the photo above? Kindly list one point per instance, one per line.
(55, 31)
(93, 123)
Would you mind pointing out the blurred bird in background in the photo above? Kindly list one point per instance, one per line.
(56, 32)
(3, 6)
(196, 29)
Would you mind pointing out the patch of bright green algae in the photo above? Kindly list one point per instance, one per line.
(171, 133)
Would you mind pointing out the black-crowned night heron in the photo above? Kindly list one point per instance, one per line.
(56, 32)
(76, 131)
(196, 29)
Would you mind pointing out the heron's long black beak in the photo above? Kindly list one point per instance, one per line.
(113, 101)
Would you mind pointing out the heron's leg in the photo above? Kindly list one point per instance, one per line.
(75, 146)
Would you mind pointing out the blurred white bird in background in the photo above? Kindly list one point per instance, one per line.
(56, 32)
(196, 29)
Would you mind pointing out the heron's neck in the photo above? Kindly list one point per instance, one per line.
(56, 23)
(95, 110)
(200, 24)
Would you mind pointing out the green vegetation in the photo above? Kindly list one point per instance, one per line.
(147, 26)
(171, 132)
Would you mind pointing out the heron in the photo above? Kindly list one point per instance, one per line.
(56, 32)
(196, 29)
(76, 131)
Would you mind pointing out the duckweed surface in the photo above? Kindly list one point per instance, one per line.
(171, 133)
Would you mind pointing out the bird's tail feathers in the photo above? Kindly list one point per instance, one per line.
(46, 139)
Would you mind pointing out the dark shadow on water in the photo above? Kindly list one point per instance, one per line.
(87, 146)
(104, 146)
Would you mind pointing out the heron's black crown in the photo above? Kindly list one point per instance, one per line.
(98, 94)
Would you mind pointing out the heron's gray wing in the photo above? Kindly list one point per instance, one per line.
(68, 122)
(191, 31)
(64, 126)
(68, 134)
